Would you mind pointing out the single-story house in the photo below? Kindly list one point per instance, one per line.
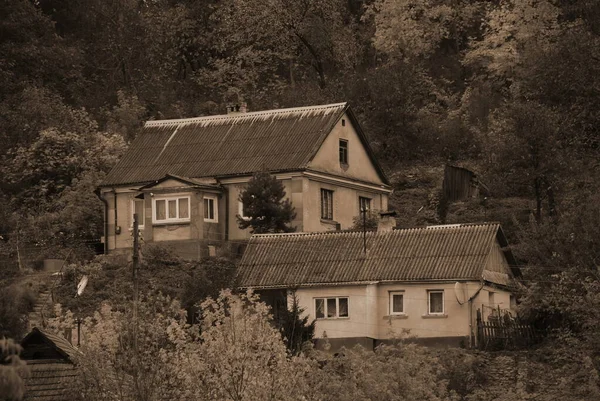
(51, 360)
(183, 177)
(369, 287)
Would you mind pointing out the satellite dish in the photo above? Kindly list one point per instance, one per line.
(460, 290)
(81, 286)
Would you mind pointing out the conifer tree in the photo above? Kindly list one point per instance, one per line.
(264, 207)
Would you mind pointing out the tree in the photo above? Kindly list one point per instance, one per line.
(295, 326)
(12, 370)
(240, 355)
(264, 207)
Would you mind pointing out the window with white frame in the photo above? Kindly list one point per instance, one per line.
(137, 207)
(241, 211)
(173, 209)
(211, 214)
(326, 204)
(396, 302)
(331, 308)
(364, 203)
(435, 302)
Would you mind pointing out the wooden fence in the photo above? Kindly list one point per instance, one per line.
(502, 334)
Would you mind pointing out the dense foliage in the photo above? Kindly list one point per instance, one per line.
(12, 370)
(507, 88)
(161, 272)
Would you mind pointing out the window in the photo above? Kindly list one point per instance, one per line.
(326, 204)
(343, 151)
(331, 308)
(241, 211)
(491, 299)
(137, 207)
(210, 209)
(435, 300)
(396, 303)
(169, 210)
(364, 203)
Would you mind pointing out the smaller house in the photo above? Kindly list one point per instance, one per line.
(51, 360)
(368, 288)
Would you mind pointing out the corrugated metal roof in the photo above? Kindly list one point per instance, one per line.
(457, 252)
(235, 144)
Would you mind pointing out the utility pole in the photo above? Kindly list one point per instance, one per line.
(363, 211)
(136, 261)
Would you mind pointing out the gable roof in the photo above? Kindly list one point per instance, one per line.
(229, 145)
(456, 252)
(50, 379)
(192, 182)
(58, 343)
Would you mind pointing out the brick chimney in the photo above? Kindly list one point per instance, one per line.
(237, 108)
(387, 221)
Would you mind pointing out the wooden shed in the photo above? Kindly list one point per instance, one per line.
(52, 363)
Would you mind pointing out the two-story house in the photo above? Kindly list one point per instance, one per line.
(183, 177)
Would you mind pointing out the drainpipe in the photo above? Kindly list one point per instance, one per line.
(105, 202)
(471, 313)
(114, 191)
(226, 232)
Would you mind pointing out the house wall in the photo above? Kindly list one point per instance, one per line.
(359, 163)
(188, 239)
(345, 204)
(369, 312)
(356, 325)
(488, 305)
(293, 189)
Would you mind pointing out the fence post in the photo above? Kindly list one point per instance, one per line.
(479, 335)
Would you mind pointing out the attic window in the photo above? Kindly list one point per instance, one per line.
(343, 122)
(343, 151)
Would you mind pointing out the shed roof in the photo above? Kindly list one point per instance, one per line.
(457, 252)
(229, 145)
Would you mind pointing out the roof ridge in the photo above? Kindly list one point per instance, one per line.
(190, 120)
(372, 231)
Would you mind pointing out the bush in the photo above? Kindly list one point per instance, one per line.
(16, 302)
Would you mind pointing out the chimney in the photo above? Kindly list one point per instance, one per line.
(237, 108)
(387, 221)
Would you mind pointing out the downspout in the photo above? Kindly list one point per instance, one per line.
(114, 191)
(226, 236)
(471, 313)
(105, 218)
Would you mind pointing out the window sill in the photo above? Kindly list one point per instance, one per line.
(333, 318)
(327, 221)
(395, 317)
(211, 221)
(438, 316)
(170, 223)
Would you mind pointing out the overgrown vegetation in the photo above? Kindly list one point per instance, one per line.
(508, 88)
(161, 272)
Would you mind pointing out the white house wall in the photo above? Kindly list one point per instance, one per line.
(369, 314)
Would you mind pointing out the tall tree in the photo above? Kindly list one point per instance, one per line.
(264, 205)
